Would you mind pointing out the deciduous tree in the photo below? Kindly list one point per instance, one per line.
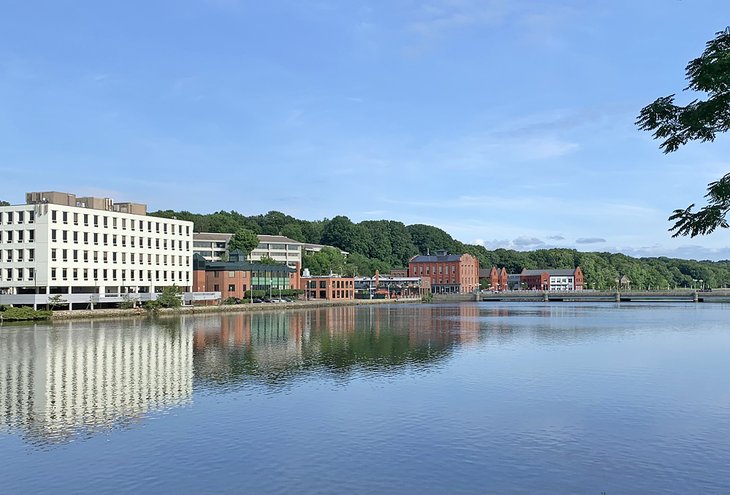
(699, 120)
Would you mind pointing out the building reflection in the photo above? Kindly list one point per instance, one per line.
(236, 349)
(75, 378)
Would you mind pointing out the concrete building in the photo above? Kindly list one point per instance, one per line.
(89, 251)
(449, 273)
(552, 279)
(211, 246)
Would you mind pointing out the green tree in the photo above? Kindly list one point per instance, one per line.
(243, 240)
(268, 260)
(4, 203)
(170, 297)
(699, 120)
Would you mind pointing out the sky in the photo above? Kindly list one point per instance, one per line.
(508, 123)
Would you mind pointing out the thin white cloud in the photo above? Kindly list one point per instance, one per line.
(590, 240)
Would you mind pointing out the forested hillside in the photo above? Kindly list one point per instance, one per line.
(385, 244)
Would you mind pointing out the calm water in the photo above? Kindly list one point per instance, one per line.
(472, 398)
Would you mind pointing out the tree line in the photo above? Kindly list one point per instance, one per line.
(385, 244)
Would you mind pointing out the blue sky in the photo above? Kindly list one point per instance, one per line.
(508, 123)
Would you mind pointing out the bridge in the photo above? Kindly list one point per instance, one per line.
(717, 295)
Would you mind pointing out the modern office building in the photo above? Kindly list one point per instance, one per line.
(210, 245)
(213, 246)
(449, 273)
(89, 252)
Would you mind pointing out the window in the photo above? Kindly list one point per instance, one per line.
(64, 217)
(64, 235)
(64, 254)
(114, 222)
(216, 288)
(31, 217)
(106, 221)
(20, 217)
(31, 254)
(76, 218)
(76, 256)
(86, 219)
(53, 216)
(96, 220)
(53, 274)
(76, 237)
(231, 288)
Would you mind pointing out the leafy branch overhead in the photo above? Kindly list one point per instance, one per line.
(699, 120)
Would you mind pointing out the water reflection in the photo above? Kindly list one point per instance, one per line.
(77, 378)
(272, 348)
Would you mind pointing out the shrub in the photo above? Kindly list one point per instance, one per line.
(25, 314)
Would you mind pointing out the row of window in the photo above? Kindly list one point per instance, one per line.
(278, 247)
(84, 256)
(210, 245)
(16, 236)
(418, 270)
(20, 274)
(117, 240)
(114, 222)
(11, 217)
(16, 255)
(124, 275)
(28, 275)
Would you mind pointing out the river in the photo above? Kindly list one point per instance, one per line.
(533, 398)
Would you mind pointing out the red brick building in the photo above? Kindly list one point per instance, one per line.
(552, 279)
(495, 278)
(234, 277)
(449, 273)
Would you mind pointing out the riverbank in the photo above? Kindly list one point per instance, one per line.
(232, 308)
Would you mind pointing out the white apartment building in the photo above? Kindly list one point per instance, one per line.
(89, 251)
